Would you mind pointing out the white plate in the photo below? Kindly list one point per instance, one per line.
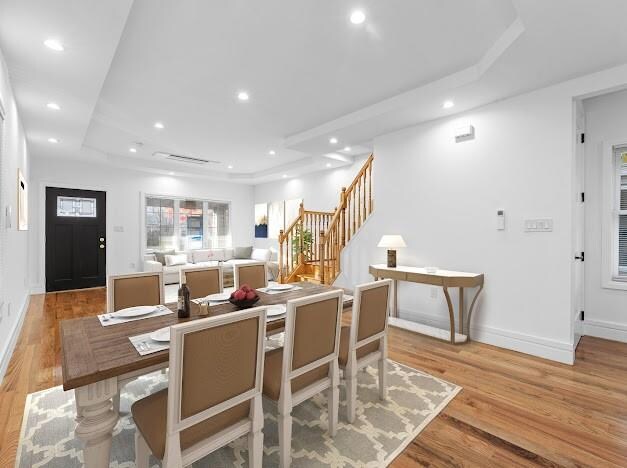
(280, 287)
(274, 310)
(163, 334)
(135, 311)
(218, 297)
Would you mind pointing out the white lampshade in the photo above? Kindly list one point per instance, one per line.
(392, 242)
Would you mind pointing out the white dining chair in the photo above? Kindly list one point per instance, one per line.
(365, 340)
(307, 364)
(131, 290)
(134, 289)
(214, 392)
(202, 281)
(254, 274)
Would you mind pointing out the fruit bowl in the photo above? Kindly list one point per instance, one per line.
(244, 297)
(245, 304)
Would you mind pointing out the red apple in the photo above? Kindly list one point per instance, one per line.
(250, 295)
(240, 295)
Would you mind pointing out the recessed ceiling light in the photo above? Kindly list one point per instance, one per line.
(284, 176)
(53, 140)
(170, 173)
(333, 140)
(447, 104)
(347, 148)
(230, 167)
(358, 17)
(54, 44)
(133, 150)
(53, 106)
(243, 96)
(159, 125)
(271, 152)
(328, 164)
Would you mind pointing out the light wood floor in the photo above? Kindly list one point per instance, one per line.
(515, 410)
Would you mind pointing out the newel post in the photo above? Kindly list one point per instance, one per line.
(321, 255)
(281, 239)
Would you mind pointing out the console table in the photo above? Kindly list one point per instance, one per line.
(443, 278)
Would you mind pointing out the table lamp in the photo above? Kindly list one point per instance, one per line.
(392, 242)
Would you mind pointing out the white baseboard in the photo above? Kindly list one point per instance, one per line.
(37, 289)
(7, 352)
(607, 330)
(528, 344)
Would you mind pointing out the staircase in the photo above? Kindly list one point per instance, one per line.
(310, 248)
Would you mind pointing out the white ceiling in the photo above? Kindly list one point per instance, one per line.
(310, 73)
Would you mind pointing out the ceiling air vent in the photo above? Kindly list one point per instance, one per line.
(185, 159)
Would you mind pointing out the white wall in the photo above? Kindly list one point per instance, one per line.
(320, 191)
(606, 124)
(14, 264)
(443, 196)
(123, 189)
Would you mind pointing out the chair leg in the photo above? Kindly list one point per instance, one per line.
(334, 398)
(383, 374)
(351, 396)
(255, 449)
(255, 437)
(285, 440)
(142, 452)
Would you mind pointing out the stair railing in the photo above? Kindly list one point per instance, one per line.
(318, 237)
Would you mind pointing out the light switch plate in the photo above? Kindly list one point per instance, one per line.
(539, 225)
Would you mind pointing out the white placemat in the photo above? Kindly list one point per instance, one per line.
(275, 341)
(111, 319)
(144, 345)
(269, 291)
(347, 297)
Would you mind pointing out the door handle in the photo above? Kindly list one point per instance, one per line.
(581, 257)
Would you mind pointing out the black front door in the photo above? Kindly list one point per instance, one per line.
(75, 239)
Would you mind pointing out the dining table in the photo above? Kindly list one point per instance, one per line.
(97, 361)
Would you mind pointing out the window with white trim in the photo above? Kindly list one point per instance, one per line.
(620, 213)
(186, 224)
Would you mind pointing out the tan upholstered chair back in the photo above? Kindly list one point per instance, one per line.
(370, 310)
(312, 336)
(254, 275)
(215, 364)
(202, 281)
(136, 289)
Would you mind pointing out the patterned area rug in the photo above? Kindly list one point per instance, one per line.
(380, 432)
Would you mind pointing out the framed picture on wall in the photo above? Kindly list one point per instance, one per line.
(22, 202)
(261, 220)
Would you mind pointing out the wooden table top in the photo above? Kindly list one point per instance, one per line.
(412, 274)
(91, 352)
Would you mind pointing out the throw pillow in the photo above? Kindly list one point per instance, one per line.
(261, 255)
(243, 252)
(172, 260)
(160, 255)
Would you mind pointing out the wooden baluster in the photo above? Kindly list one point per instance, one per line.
(341, 217)
(370, 188)
(354, 214)
(321, 257)
(281, 272)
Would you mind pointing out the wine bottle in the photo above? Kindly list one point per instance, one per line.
(183, 307)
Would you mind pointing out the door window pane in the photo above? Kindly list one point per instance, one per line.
(76, 207)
